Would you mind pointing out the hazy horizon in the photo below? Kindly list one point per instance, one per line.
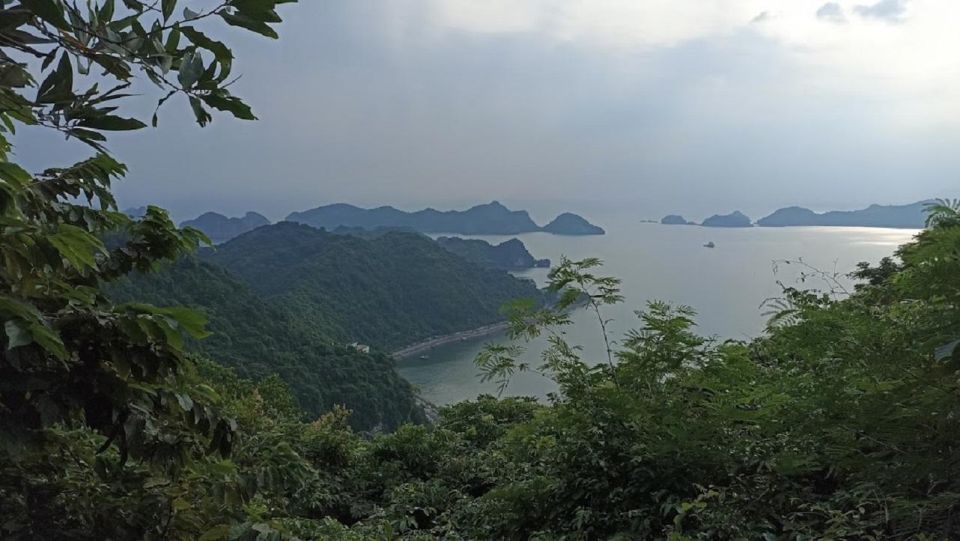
(540, 211)
(650, 107)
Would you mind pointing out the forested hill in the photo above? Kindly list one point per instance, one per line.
(387, 291)
(258, 339)
(287, 298)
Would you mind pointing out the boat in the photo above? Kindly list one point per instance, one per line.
(709, 245)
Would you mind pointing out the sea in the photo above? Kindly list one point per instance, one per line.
(728, 285)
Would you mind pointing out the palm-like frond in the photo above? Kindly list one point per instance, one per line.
(943, 213)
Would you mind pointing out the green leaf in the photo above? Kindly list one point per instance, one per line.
(112, 65)
(134, 5)
(10, 19)
(167, 7)
(14, 174)
(47, 10)
(201, 114)
(11, 308)
(191, 67)
(173, 38)
(48, 340)
(58, 86)
(230, 104)
(191, 321)
(221, 52)
(112, 123)
(185, 402)
(249, 23)
(105, 13)
(77, 246)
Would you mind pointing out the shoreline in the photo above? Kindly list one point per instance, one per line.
(430, 343)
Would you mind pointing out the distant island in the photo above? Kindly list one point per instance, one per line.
(910, 216)
(136, 212)
(221, 228)
(734, 219)
(571, 224)
(490, 219)
(508, 255)
(675, 219)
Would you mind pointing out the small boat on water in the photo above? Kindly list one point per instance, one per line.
(709, 245)
(424, 357)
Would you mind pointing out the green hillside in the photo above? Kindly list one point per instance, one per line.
(288, 298)
(258, 339)
(388, 291)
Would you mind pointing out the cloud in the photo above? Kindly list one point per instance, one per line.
(446, 103)
(887, 10)
(831, 12)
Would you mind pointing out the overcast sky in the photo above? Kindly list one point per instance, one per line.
(692, 106)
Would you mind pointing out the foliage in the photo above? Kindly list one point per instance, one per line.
(96, 395)
(943, 213)
(838, 423)
(258, 339)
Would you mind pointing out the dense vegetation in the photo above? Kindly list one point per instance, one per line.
(294, 297)
(98, 406)
(387, 290)
(838, 423)
(259, 339)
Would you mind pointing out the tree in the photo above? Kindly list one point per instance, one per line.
(70, 358)
(943, 213)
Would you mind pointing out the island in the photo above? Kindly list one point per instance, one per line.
(734, 219)
(675, 219)
(571, 224)
(220, 228)
(490, 219)
(910, 216)
(508, 255)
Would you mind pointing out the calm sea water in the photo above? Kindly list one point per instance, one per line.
(726, 285)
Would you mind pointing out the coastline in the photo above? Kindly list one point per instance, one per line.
(430, 343)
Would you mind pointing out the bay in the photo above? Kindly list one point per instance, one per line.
(727, 285)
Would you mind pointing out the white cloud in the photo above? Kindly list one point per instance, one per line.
(912, 65)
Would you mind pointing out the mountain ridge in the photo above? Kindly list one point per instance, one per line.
(488, 219)
(220, 228)
(909, 216)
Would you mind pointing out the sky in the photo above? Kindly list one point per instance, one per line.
(642, 106)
